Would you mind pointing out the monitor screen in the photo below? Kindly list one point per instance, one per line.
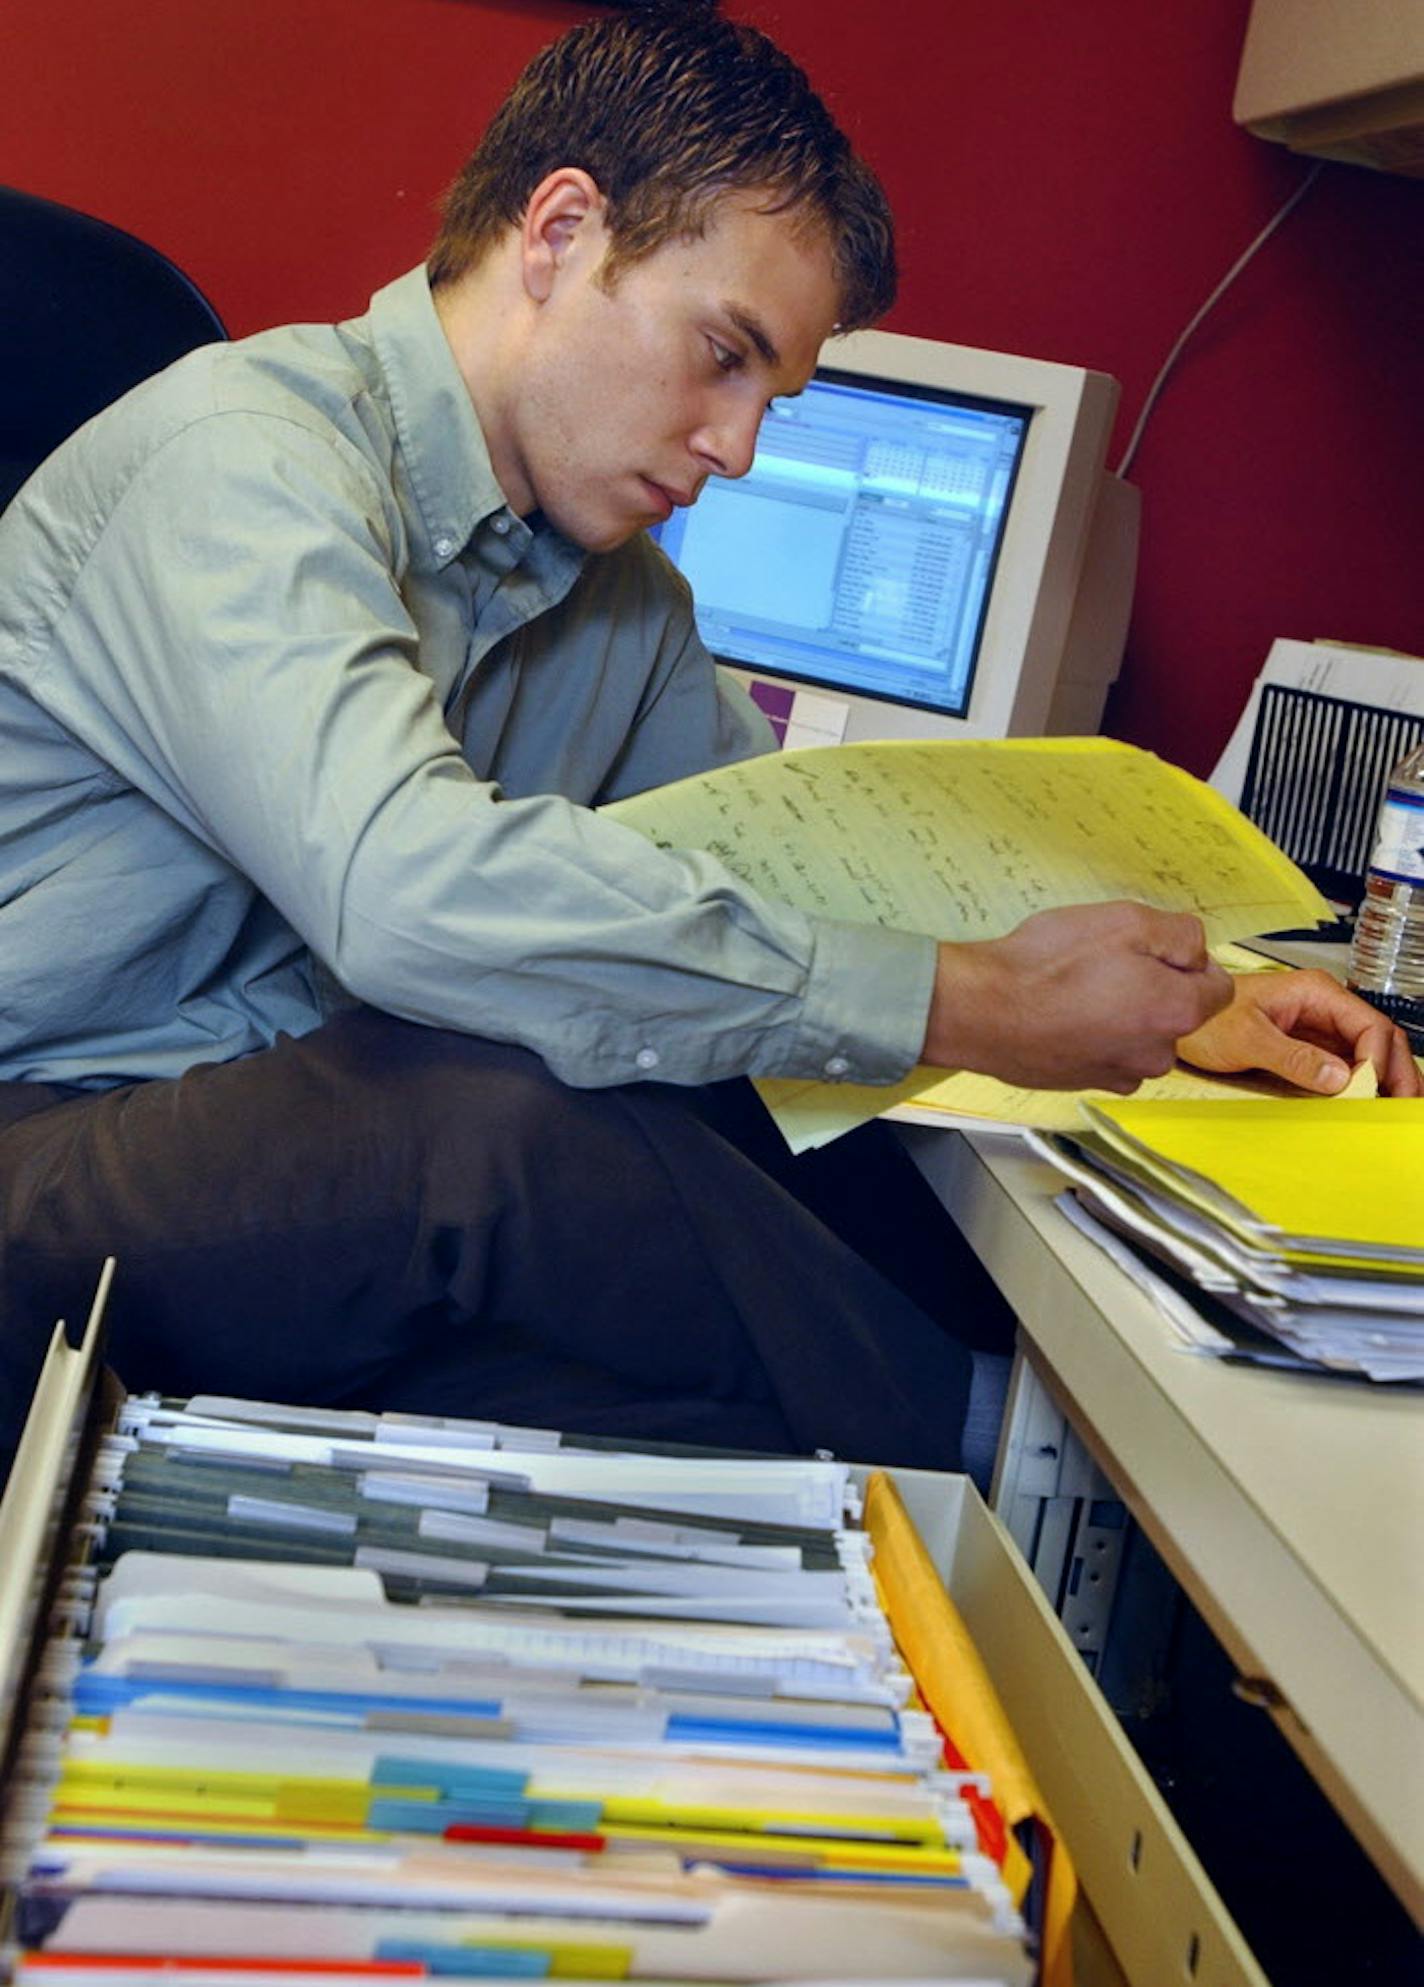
(859, 552)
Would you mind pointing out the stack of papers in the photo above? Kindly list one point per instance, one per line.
(1298, 1224)
(394, 1694)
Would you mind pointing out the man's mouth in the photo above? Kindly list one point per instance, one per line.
(667, 497)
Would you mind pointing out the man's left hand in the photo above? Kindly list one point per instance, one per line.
(1306, 1028)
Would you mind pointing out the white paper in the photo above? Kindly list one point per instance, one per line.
(1389, 682)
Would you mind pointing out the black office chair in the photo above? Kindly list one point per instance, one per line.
(86, 311)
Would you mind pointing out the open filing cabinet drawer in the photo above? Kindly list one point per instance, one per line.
(1146, 1888)
(1142, 1883)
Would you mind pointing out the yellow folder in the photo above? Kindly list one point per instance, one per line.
(955, 1686)
(1302, 1173)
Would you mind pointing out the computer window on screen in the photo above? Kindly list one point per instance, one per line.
(860, 550)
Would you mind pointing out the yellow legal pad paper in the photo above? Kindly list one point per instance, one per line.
(1303, 1173)
(963, 839)
(963, 1094)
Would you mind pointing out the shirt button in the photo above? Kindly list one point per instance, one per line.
(837, 1066)
(444, 547)
(500, 524)
(647, 1059)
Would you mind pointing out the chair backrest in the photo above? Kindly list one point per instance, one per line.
(86, 311)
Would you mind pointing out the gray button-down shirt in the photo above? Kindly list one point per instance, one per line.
(293, 709)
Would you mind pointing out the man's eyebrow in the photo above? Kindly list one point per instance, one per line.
(752, 328)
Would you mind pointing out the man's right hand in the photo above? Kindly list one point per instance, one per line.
(1092, 997)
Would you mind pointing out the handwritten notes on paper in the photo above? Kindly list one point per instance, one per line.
(962, 839)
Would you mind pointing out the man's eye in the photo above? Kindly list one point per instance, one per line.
(723, 357)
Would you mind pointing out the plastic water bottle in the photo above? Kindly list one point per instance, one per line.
(1387, 957)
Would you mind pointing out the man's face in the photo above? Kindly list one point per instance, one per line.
(629, 398)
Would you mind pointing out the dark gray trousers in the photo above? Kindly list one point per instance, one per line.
(388, 1216)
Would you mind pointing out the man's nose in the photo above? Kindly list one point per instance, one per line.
(728, 445)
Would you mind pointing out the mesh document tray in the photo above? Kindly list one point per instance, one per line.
(1316, 776)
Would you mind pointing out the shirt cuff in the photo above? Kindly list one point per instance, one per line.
(866, 1004)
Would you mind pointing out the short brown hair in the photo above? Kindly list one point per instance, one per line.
(668, 111)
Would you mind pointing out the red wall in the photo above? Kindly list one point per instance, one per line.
(1069, 184)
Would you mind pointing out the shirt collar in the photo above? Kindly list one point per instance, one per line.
(439, 433)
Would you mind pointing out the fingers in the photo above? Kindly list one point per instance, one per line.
(1177, 939)
(1369, 1036)
(1217, 989)
(1372, 1037)
(1307, 1029)
(1314, 1006)
(1302, 1063)
(1395, 1066)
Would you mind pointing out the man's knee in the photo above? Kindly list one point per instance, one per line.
(467, 1120)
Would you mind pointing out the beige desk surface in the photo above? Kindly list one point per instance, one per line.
(1290, 1507)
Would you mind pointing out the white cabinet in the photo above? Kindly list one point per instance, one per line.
(1340, 78)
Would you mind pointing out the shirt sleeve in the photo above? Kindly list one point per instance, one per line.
(257, 676)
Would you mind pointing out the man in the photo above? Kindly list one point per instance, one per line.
(325, 1003)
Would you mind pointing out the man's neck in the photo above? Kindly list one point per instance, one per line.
(478, 313)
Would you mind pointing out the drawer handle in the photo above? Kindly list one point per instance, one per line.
(1259, 1691)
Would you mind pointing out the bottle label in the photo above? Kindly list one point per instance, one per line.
(1399, 850)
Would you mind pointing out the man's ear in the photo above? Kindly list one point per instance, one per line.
(563, 222)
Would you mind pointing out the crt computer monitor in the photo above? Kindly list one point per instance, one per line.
(927, 545)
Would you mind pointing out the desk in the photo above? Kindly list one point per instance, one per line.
(1289, 1509)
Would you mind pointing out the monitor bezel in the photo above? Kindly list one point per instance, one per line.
(1024, 642)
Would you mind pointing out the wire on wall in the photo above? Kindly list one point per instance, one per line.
(1282, 213)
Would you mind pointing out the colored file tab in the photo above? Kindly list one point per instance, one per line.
(217, 1794)
(513, 1959)
(618, 1811)
(122, 1968)
(715, 1845)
